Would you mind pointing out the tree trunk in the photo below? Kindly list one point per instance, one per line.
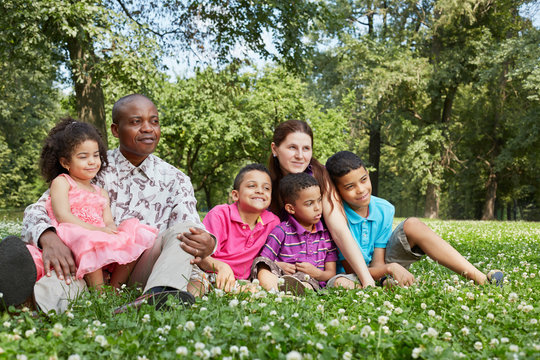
(88, 92)
(431, 211)
(488, 212)
(375, 155)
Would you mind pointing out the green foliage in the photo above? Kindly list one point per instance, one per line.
(442, 316)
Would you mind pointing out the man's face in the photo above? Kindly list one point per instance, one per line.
(137, 129)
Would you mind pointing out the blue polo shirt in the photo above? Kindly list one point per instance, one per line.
(371, 232)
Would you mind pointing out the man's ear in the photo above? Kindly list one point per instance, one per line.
(235, 195)
(114, 129)
(289, 208)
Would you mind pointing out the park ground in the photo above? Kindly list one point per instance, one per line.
(443, 316)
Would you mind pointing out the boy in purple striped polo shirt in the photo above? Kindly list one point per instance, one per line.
(299, 250)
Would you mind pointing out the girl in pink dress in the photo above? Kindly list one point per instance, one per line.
(72, 156)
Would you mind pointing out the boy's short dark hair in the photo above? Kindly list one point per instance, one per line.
(292, 184)
(251, 167)
(342, 163)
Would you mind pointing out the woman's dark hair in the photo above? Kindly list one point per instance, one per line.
(319, 172)
(60, 143)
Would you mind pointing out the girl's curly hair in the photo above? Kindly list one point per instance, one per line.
(61, 142)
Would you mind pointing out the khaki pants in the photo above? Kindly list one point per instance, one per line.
(164, 264)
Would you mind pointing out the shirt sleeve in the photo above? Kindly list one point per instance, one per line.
(332, 253)
(36, 220)
(272, 247)
(383, 235)
(216, 223)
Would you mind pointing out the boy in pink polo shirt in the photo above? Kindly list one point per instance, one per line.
(241, 230)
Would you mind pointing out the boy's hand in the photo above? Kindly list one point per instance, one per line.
(198, 243)
(309, 269)
(402, 276)
(287, 268)
(225, 277)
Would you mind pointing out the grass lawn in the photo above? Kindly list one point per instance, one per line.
(442, 316)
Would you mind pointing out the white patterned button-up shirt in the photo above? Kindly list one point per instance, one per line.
(155, 192)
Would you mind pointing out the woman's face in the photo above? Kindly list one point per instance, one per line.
(294, 153)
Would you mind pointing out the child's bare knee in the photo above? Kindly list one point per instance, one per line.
(411, 223)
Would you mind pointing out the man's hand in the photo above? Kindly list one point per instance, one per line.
(287, 268)
(198, 243)
(58, 256)
(402, 276)
(309, 269)
(225, 277)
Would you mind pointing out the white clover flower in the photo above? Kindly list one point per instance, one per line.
(431, 313)
(383, 319)
(447, 336)
(219, 292)
(7, 324)
(416, 352)
(145, 318)
(190, 326)
(98, 323)
(334, 322)
(21, 357)
(142, 357)
(102, 340)
(405, 322)
(265, 328)
(490, 316)
(286, 325)
(534, 321)
(528, 308)
(398, 310)
(280, 281)
(419, 326)
(478, 345)
(273, 312)
(385, 329)
(464, 308)
(207, 331)
(465, 331)
(306, 277)
(319, 346)
(233, 303)
(74, 357)
(494, 342)
(255, 282)
(215, 351)
(278, 300)
(341, 311)
(182, 350)
(30, 332)
(513, 348)
(512, 297)
(466, 317)
(431, 332)
(320, 327)
(366, 331)
(438, 349)
(262, 304)
(233, 349)
(199, 346)
(320, 308)
(1, 295)
(470, 296)
(423, 306)
(293, 355)
(243, 351)
(347, 355)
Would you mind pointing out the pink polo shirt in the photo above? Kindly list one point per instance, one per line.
(238, 245)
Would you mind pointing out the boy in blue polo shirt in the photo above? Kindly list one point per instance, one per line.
(389, 254)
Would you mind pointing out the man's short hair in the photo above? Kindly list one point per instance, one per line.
(342, 163)
(243, 171)
(291, 185)
(124, 101)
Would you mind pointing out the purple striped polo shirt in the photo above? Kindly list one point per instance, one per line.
(290, 242)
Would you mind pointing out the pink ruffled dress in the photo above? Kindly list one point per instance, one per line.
(94, 250)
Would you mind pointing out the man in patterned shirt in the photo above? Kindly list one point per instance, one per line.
(140, 185)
